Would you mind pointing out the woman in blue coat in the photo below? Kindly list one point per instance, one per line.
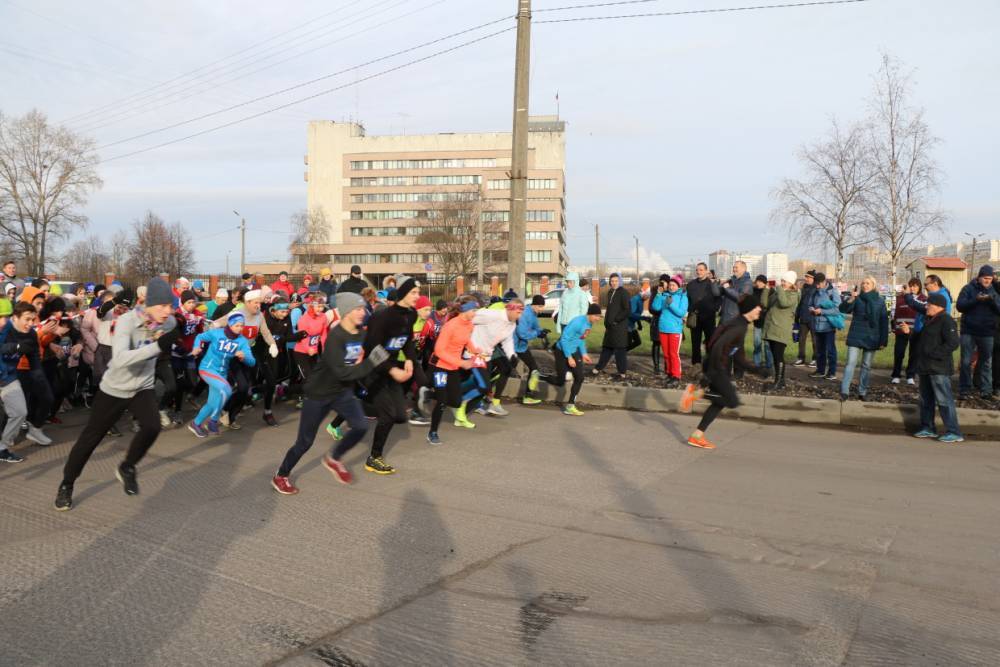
(673, 306)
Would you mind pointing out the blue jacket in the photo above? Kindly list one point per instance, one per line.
(528, 328)
(574, 335)
(221, 350)
(671, 314)
(739, 285)
(10, 354)
(820, 322)
(635, 311)
(921, 308)
(979, 318)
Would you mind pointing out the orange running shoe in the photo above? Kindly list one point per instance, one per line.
(688, 398)
(700, 442)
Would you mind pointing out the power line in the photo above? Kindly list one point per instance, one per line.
(313, 96)
(720, 10)
(214, 77)
(307, 83)
(599, 4)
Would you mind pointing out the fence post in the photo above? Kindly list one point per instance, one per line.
(494, 286)
(213, 286)
(460, 285)
(595, 290)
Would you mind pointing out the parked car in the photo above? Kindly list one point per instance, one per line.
(551, 302)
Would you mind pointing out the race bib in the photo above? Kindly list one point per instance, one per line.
(396, 344)
(313, 341)
(440, 379)
(352, 353)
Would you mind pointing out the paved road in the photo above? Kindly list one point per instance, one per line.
(539, 539)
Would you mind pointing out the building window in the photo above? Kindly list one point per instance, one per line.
(535, 256)
(499, 184)
(409, 197)
(540, 216)
(393, 181)
(496, 216)
(542, 236)
(533, 184)
(457, 163)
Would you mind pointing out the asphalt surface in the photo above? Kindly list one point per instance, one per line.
(536, 539)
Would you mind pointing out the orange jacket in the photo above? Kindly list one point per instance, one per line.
(455, 337)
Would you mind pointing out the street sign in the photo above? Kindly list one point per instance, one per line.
(428, 267)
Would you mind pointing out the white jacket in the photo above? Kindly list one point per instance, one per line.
(491, 327)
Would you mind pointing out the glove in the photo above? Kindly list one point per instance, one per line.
(378, 355)
(123, 298)
(167, 340)
(273, 350)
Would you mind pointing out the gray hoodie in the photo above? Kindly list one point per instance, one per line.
(133, 355)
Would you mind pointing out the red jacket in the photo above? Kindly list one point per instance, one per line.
(902, 313)
(284, 286)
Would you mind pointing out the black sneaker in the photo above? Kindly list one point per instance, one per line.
(113, 432)
(269, 419)
(817, 376)
(418, 419)
(7, 456)
(64, 497)
(126, 475)
(378, 466)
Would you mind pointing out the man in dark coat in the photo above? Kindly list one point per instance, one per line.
(355, 283)
(936, 347)
(739, 285)
(804, 318)
(615, 328)
(703, 302)
(979, 304)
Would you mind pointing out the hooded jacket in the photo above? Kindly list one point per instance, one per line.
(573, 303)
(492, 328)
(574, 337)
(781, 304)
(283, 286)
(821, 296)
(739, 285)
(869, 328)
(133, 354)
(528, 328)
(979, 318)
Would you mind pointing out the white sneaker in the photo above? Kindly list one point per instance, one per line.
(569, 376)
(895, 381)
(36, 436)
(165, 421)
(497, 410)
(910, 381)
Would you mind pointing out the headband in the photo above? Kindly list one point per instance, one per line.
(467, 306)
(279, 306)
(234, 318)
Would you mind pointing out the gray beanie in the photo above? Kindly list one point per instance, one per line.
(158, 293)
(348, 301)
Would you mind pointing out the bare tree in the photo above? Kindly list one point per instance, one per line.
(902, 201)
(825, 207)
(158, 247)
(308, 228)
(46, 175)
(453, 230)
(118, 253)
(85, 260)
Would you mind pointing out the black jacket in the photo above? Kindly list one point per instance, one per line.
(803, 315)
(726, 342)
(703, 299)
(616, 319)
(936, 345)
(979, 317)
(338, 369)
(353, 284)
(392, 328)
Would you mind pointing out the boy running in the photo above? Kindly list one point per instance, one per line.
(570, 353)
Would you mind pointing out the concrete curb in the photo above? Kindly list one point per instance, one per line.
(853, 414)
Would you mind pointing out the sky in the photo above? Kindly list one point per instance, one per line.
(678, 127)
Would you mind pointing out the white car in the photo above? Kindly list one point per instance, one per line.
(552, 298)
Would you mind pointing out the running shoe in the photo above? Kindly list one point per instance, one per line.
(269, 419)
(481, 410)
(799, 362)
(176, 419)
(497, 410)
(378, 466)
(235, 425)
(213, 427)
(700, 442)
(36, 435)
(418, 419)
(126, 475)
(572, 411)
(910, 381)
(464, 423)
(338, 469)
(812, 364)
(817, 376)
(433, 439)
(334, 432)
(894, 381)
(113, 432)
(298, 404)
(951, 438)
(832, 377)
(197, 430)
(54, 420)
(7, 456)
(533, 380)
(284, 486)
(165, 421)
(925, 433)
(528, 400)
(64, 497)
(688, 398)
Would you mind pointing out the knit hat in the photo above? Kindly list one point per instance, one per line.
(246, 276)
(391, 295)
(356, 270)
(324, 272)
(306, 277)
(664, 278)
(283, 273)
(348, 301)
(811, 272)
(985, 270)
(140, 292)
(789, 277)
(158, 292)
(198, 284)
(188, 295)
(593, 309)
(423, 302)
(937, 299)
(116, 287)
(761, 278)
(678, 279)
(55, 289)
(538, 300)
(252, 295)
(9, 287)
(223, 292)
(6, 308)
(441, 303)
(747, 303)
(406, 286)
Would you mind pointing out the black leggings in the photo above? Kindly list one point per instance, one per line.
(777, 351)
(529, 361)
(389, 407)
(449, 395)
(165, 374)
(38, 395)
(721, 393)
(558, 378)
(239, 378)
(104, 412)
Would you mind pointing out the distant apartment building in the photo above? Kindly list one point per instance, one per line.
(801, 266)
(721, 262)
(867, 261)
(380, 194)
(775, 264)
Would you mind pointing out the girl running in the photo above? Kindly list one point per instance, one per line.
(449, 363)
(223, 345)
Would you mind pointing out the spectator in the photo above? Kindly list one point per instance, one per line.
(996, 347)
(804, 319)
(703, 301)
(327, 285)
(761, 352)
(979, 304)
(283, 285)
(825, 308)
(10, 274)
(616, 318)
(673, 306)
(733, 289)
(869, 332)
(355, 283)
(198, 287)
(936, 347)
(782, 305)
(637, 304)
(307, 285)
(572, 303)
(905, 313)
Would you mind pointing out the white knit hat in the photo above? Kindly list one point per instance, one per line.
(252, 295)
(790, 277)
(222, 292)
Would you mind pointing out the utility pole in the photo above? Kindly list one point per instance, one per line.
(636, 258)
(227, 262)
(479, 252)
(597, 251)
(243, 243)
(972, 260)
(519, 152)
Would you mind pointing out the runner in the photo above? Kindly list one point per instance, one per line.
(570, 353)
(127, 385)
(223, 346)
(725, 347)
(494, 334)
(423, 341)
(183, 363)
(275, 369)
(449, 364)
(528, 329)
(12, 347)
(331, 387)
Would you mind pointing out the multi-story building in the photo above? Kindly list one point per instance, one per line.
(801, 266)
(721, 262)
(775, 264)
(382, 194)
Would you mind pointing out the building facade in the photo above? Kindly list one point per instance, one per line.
(382, 196)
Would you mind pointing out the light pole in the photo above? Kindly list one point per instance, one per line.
(972, 260)
(636, 258)
(243, 242)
